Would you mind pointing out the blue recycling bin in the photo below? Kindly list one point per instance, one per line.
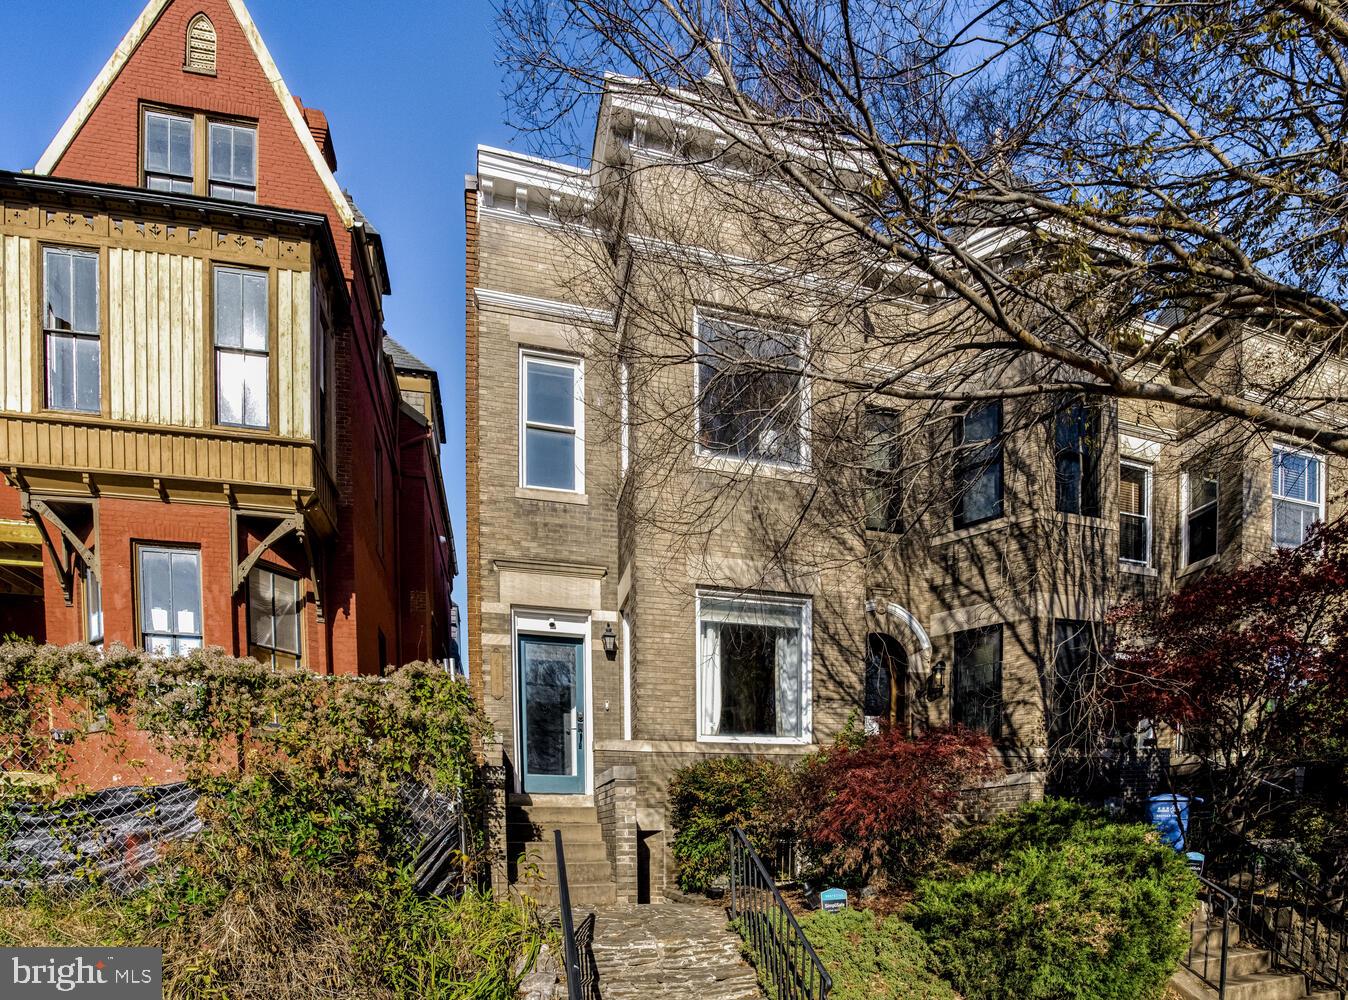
(1170, 816)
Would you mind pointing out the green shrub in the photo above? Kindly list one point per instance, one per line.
(872, 957)
(1054, 902)
(709, 798)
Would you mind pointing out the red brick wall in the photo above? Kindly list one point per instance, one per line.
(362, 586)
(107, 147)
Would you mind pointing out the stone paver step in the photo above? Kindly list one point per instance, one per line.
(679, 951)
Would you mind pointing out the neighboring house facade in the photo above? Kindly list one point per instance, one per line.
(621, 628)
(207, 438)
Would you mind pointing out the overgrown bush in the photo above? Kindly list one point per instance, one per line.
(878, 806)
(709, 798)
(873, 957)
(1054, 902)
(298, 885)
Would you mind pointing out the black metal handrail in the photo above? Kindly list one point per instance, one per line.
(1292, 916)
(570, 950)
(782, 953)
(1210, 936)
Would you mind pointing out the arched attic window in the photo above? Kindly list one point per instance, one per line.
(200, 56)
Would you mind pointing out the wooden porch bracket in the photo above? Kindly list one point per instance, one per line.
(287, 524)
(40, 512)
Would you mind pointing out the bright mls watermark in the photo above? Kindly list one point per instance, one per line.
(77, 973)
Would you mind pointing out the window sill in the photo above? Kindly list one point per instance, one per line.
(1201, 564)
(552, 496)
(1137, 569)
(973, 530)
(757, 741)
(712, 462)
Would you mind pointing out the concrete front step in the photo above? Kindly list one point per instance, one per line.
(583, 895)
(549, 816)
(544, 853)
(1260, 985)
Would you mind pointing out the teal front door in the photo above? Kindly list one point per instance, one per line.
(552, 713)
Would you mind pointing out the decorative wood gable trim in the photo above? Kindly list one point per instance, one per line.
(121, 55)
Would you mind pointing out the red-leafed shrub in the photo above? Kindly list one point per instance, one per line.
(879, 806)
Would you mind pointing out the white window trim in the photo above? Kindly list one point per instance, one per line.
(627, 674)
(1149, 472)
(711, 456)
(806, 606)
(140, 550)
(1185, 514)
(541, 621)
(624, 416)
(1314, 456)
(564, 360)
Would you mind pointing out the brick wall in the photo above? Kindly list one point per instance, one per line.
(615, 800)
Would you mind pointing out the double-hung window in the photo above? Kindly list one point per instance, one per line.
(754, 668)
(1135, 513)
(884, 495)
(233, 162)
(1076, 459)
(241, 362)
(1200, 497)
(1076, 664)
(1298, 496)
(168, 152)
(976, 701)
(170, 599)
(70, 322)
(274, 604)
(552, 442)
(978, 464)
(751, 392)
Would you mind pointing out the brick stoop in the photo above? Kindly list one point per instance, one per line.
(532, 868)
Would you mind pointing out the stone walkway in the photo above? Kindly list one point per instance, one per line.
(680, 951)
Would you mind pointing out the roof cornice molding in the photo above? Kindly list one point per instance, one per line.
(534, 172)
(488, 298)
(121, 55)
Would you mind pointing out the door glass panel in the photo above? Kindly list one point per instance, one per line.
(549, 673)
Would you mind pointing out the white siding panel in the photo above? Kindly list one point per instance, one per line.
(16, 324)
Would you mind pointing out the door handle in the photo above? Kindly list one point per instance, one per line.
(580, 728)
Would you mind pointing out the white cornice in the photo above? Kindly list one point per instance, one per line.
(533, 172)
(488, 298)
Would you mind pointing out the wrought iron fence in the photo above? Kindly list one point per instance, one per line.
(1210, 936)
(1301, 922)
(785, 959)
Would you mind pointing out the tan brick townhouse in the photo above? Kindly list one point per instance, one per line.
(669, 560)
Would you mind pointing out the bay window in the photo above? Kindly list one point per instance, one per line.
(1200, 502)
(241, 347)
(71, 329)
(1298, 496)
(1135, 513)
(750, 389)
(978, 464)
(754, 668)
(976, 701)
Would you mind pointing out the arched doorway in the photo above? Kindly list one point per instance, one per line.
(886, 695)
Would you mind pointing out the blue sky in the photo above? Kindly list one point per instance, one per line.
(410, 88)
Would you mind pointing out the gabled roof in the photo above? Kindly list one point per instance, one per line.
(403, 359)
(121, 55)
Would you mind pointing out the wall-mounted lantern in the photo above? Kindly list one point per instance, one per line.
(610, 641)
(936, 683)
